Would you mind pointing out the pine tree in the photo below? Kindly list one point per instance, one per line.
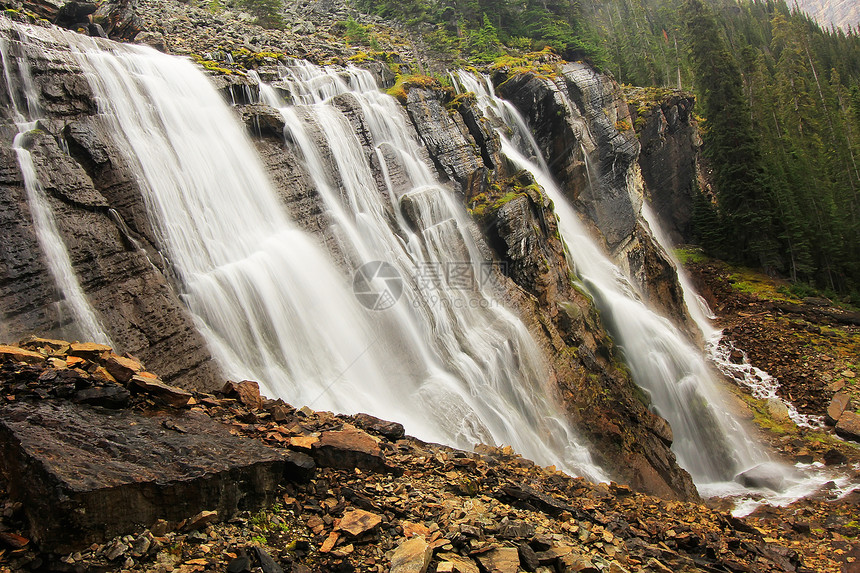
(744, 197)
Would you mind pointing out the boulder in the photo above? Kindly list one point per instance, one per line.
(122, 368)
(86, 474)
(20, 355)
(247, 392)
(411, 556)
(500, 560)
(358, 521)
(391, 430)
(349, 448)
(848, 426)
(170, 395)
(837, 406)
(767, 475)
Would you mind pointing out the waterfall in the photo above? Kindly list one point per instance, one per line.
(709, 442)
(84, 322)
(450, 361)
(486, 379)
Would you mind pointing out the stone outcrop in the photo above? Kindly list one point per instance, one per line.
(669, 137)
(90, 474)
(445, 135)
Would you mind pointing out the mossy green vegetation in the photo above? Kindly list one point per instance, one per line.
(211, 65)
(404, 83)
(543, 63)
(688, 255)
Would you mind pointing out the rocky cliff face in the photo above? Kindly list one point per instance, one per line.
(115, 252)
(101, 220)
(582, 124)
(669, 137)
(518, 223)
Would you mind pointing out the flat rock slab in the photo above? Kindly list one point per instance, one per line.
(86, 474)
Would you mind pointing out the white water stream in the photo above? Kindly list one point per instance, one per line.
(444, 356)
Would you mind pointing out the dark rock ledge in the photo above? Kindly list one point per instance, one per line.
(137, 475)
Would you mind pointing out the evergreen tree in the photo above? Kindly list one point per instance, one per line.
(743, 194)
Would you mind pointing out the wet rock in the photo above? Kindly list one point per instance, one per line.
(391, 430)
(86, 475)
(411, 556)
(837, 406)
(263, 121)
(446, 137)
(768, 475)
(349, 448)
(834, 457)
(669, 137)
(848, 426)
(121, 19)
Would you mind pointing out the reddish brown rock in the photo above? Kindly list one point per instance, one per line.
(20, 355)
(122, 368)
(89, 350)
(349, 448)
(837, 406)
(358, 521)
(411, 556)
(849, 426)
(500, 560)
(247, 392)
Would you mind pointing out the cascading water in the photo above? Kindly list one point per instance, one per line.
(709, 442)
(485, 379)
(84, 322)
(453, 365)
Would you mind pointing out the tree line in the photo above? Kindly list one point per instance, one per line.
(780, 96)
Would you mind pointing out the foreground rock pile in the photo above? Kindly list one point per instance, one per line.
(311, 491)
